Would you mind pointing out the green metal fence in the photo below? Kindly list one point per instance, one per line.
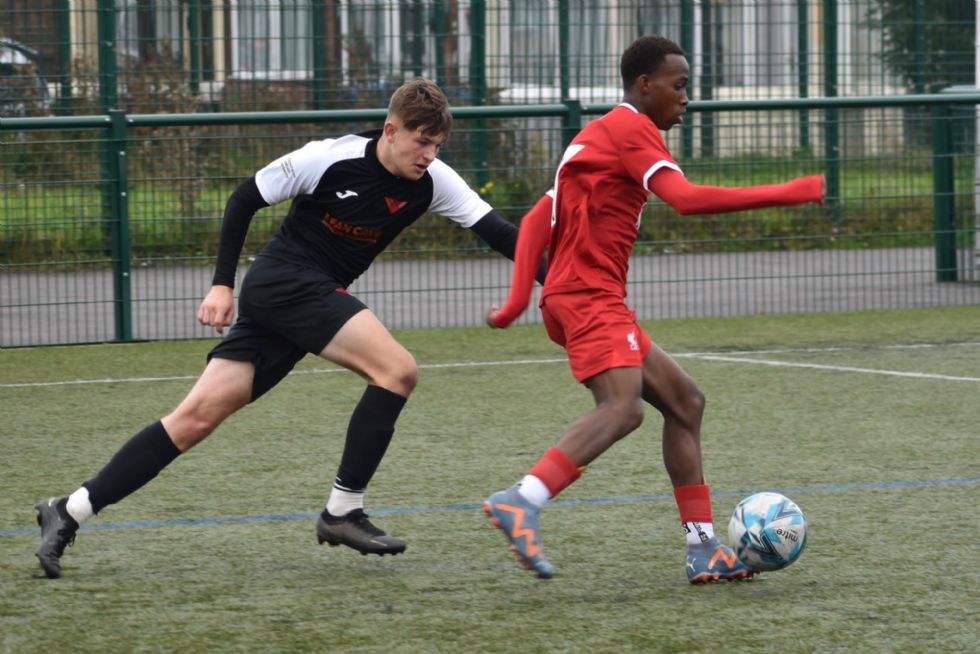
(109, 223)
(149, 56)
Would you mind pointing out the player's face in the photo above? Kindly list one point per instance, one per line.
(667, 92)
(408, 153)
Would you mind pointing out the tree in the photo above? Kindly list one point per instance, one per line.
(947, 40)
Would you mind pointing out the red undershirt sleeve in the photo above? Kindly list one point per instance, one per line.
(532, 240)
(687, 198)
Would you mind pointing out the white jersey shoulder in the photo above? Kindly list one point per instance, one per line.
(453, 198)
(298, 172)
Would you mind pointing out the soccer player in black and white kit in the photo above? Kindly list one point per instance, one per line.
(351, 196)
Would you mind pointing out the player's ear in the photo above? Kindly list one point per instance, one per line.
(389, 129)
(643, 83)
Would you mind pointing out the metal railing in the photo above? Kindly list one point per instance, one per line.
(33, 293)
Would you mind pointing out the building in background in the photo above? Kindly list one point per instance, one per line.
(300, 54)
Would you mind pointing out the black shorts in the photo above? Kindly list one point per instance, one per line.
(284, 312)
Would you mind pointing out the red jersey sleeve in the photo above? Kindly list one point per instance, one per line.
(687, 198)
(532, 239)
(644, 151)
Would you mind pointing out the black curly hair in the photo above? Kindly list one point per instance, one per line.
(644, 56)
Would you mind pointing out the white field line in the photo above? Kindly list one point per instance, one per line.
(315, 371)
(832, 349)
(818, 366)
(734, 356)
(83, 382)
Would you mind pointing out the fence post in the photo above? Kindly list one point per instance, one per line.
(64, 103)
(563, 54)
(572, 122)
(687, 44)
(919, 25)
(194, 31)
(107, 54)
(943, 193)
(319, 56)
(803, 64)
(417, 45)
(439, 34)
(831, 116)
(478, 86)
(708, 72)
(118, 182)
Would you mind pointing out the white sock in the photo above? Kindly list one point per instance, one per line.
(534, 491)
(342, 501)
(79, 507)
(698, 532)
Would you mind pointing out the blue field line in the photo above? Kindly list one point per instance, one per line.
(629, 499)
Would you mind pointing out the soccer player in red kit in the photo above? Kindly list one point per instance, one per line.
(589, 220)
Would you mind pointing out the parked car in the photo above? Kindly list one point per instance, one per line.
(23, 92)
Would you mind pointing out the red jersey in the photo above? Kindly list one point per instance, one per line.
(601, 185)
(600, 189)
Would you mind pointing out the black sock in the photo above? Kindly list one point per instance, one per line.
(137, 462)
(370, 430)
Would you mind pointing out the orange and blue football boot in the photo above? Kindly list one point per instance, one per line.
(518, 519)
(711, 561)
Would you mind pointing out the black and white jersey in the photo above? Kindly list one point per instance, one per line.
(346, 206)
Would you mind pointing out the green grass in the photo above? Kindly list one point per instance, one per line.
(891, 564)
(180, 216)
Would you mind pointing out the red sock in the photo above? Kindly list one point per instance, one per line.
(556, 471)
(694, 503)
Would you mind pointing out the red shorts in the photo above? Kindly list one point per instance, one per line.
(599, 332)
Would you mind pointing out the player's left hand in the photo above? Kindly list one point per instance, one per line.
(218, 308)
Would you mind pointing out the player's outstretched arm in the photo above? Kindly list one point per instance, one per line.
(687, 198)
(531, 243)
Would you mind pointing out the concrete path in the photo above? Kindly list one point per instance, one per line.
(76, 307)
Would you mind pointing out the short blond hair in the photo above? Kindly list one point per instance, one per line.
(421, 104)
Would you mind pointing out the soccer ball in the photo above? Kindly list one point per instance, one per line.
(767, 531)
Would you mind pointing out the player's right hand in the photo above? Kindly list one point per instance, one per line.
(218, 308)
(492, 316)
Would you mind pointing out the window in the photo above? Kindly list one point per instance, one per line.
(591, 60)
(271, 39)
(382, 39)
(533, 55)
(388, 40)
(756, 43)
(144, 27)
(527, 45)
